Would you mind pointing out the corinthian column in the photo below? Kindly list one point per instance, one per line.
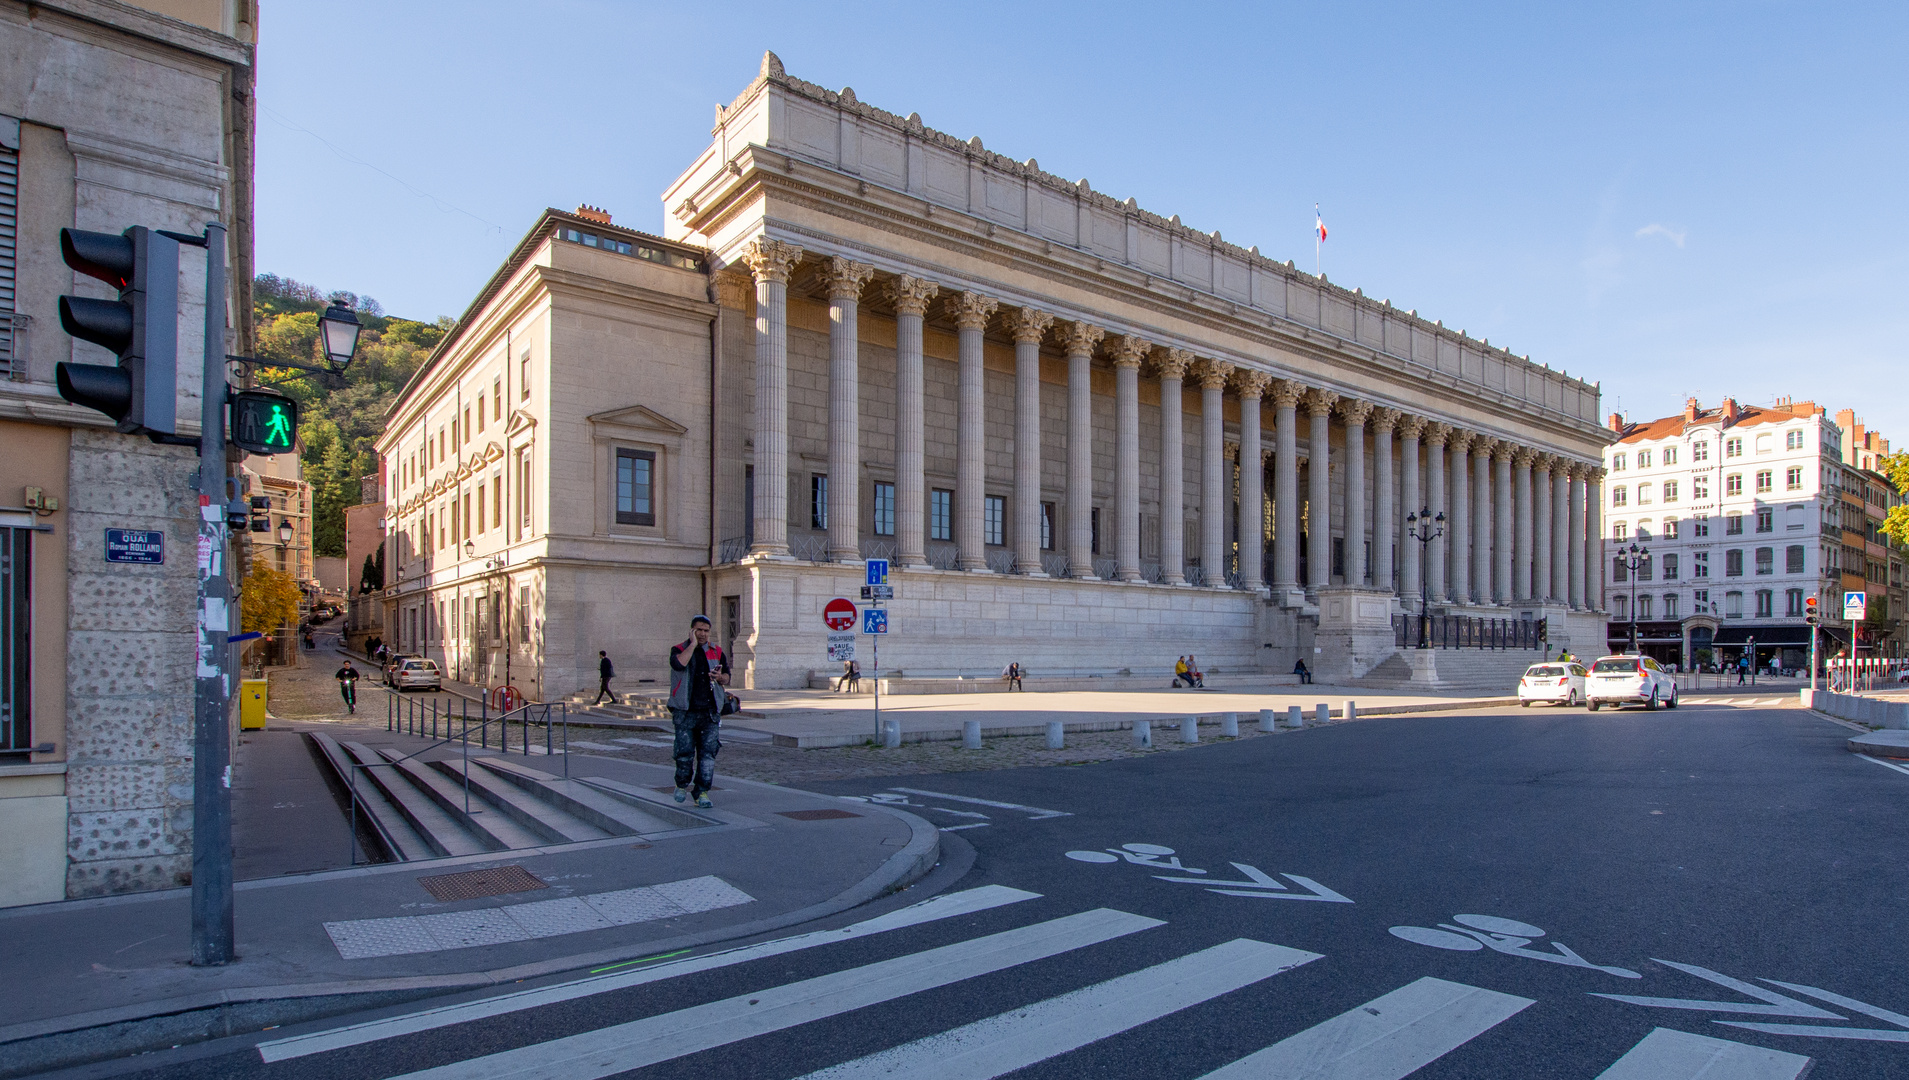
(1354, 414)
(1541, 523)
(1438, 502)
(1078, 340)
(1251, 386)
(1028, 327)
(845, 280)
(1560, 531)
(1127, 351)
(1482, 451)
(970, 312)
(1458, 528)
(1576, 532)
(771, 261)
(1385, 521)
(1594, 538)
(1286, 395)
(1410, 429)
(1521, 540)
(1319, 405)
(1501, 524)
(1172, 365)
(910, 295)
(1215, 492)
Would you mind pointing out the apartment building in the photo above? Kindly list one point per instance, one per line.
(1870, 562)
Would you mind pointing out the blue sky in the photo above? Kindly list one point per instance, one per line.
(1674, 199)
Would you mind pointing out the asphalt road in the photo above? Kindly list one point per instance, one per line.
(1439, 897)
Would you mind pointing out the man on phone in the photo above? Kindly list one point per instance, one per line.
(698, 671)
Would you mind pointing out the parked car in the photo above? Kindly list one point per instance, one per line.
(1629, 680)
(1560, 682)
(392, 663)
(418, 673)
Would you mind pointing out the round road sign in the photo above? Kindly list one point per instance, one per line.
(839, 613)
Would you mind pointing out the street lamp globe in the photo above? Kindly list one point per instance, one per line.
(284, 531)
(339, 326)
(470, 549)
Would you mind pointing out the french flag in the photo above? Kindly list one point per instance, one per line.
(1318, 223)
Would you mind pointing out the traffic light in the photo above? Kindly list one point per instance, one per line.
(264, 423)
(261, 513)
(141, 327)
(1809, 611)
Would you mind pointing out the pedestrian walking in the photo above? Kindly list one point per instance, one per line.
(698, 671)
(605, 672)
(348, 686)
(1743, 669)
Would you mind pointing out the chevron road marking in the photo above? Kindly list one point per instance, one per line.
(1678, 1055)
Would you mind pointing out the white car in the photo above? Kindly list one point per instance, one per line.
(1629, 680)
(1560, 682)
(417, 674)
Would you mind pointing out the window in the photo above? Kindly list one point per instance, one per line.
(818, 501)
(467, 521)
(1793, 559)
(1766, 561)
(1670, 455)
(497, 397)
(1670, 491)
(454, 443)
(1093, 530)
(524, 518)
(1700, 525)
(1793, 440)
(1617, 462)
(467, 426)
(1733, 484)
(523, 374)
(1766, 604)
(1644, 567)
(1733, 563)
(1700, 601)
(1643, 494)
(635, 487)
(480, 414)
(1621, 606)
(480, 510)
(1047, 526)
(1793, 603)
(1763, 481)
(1733, 605)
(1793, 479)
(1620, 570)
(1643, 530)
(1732, 448)
(1670, 602)
(1733, 524)
(1700, 487)
(497, 500)
(523, 614)
(1766, 519)
(1670, 528)
(884, 509)
(1339, 556)
(1765, 443)
(1643, 606)
(1670, 567)
(1620, 496)
(1643, 459)
(994, 512)
(941, 514)
(1620, 530)
(1794, 516)
(1700, 451)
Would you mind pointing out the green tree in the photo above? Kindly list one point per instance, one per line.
(1896, 467)
(268, 599)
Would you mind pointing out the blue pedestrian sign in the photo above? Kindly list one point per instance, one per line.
(135, 546)
(877, 572)
(874, 621)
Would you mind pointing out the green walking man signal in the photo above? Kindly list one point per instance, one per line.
(264, 423)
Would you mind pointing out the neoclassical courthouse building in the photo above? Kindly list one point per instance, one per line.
(865, 338)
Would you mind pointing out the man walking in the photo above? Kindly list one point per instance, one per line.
(698, 671)
(605, 672)
(348, 686)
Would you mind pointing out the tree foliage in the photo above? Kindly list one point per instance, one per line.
(1896, 467)
(268, 599)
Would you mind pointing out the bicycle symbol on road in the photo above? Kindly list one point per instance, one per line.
(1507, 936)
(1258, 884)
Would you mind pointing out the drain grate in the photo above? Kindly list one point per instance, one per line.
(492, 881)
(816, 815)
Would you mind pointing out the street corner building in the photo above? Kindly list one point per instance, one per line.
(1086, 437)
(111, 115)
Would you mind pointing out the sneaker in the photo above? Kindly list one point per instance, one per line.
(681, 794)
(703, 802)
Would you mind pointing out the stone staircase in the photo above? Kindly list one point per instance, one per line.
(1475, 671)
(649, 707)
(441, 804)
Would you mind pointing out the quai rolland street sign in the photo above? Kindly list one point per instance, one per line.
(135, 546)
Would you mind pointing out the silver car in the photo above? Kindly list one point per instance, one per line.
(419, 674)
(1629, 680)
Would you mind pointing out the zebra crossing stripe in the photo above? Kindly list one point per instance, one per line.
(1014, 1040)
(620, 1048)
(1678, 1055)
(934, 909)
(1387, 1038)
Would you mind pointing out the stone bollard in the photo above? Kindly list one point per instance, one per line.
(1352, 710)
(891, 733)
(1322, 713)
(1230, 725)
(1268, 720)
(1143, 734)
(1056, 736)
(1189, 729)
(1295, 717)
(1897, 716)
(970, 734)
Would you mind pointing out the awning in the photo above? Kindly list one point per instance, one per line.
(1765, 635)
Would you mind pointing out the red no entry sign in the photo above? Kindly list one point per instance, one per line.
(839, 613)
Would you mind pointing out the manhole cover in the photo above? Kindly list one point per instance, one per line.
(494, 881)
(816, 815)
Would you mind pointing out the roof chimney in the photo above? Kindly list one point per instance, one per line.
(1617, 422)
(1729, 411)
(593, 213)
(1690, 410)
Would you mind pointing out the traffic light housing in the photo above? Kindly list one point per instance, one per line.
(261, 520)
(1809, 611)
(264, 423)
(141, 328)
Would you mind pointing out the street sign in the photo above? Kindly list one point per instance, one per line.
(839, 614)
(1855, 606)
(878, 592)
(135, 546)
(878, 571)
(841, 646)
(874, 621)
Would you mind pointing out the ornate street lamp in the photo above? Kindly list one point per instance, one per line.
(339, 328)
(1425, 528)
(285, 532)
(1634, 558)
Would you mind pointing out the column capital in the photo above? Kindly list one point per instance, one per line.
(1320, 402)
(771, 260)
(1383, 419)
(1503, 450)
(1459, 441)
(1128, 350)
(1251, 385)
(970, 310)
(1411, 427)
(1354, 412)
(734, 289)
(1172, 363)
(910, 295)
(1286, 393)
(1594, 474)
(1027, 324)
(1578, 470)
(1079, 338)
(845, 277)
(1265, 457)
(1437, 433)
(1212, 374)
(1232, 451)
(1524, 456)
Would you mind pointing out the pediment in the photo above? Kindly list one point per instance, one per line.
(521, 424)
(639, 418)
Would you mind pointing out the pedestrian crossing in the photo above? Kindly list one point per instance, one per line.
(1739, 702)
(1389, 1037)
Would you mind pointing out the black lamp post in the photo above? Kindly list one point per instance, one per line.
(1425, 528)
(1634, 558)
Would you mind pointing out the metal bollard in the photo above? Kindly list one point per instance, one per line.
(1189, 729)
(1268, 720)
(1295, 717)
(891, 733)
(971, 735)
(1230, 725)
(1352, 710)
(1143, 734)
(1056, 737)
(1322, 713)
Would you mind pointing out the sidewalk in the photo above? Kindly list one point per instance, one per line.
(86, 979)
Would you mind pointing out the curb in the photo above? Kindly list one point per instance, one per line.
(81, 1038)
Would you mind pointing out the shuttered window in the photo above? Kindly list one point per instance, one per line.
(10, 366)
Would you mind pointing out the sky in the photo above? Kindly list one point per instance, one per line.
(1671, 199)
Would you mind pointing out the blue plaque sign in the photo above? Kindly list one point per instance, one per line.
(135, 546)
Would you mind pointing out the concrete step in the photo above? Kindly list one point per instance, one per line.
(484, 818)
(613, 812)
(444, 834)
(651, 802)
(552, 823)
(401, 841)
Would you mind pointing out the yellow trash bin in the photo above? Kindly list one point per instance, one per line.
(252, 704)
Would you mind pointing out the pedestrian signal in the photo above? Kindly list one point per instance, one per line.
(264, 423)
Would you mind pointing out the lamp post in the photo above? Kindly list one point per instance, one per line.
(1634, 558)
(1425, 528)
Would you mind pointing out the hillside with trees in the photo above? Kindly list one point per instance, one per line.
(340, 417)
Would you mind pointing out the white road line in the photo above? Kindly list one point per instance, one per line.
(1038, 812)
(1014, 1040)
(1678, 1055)
(1387, 1038)
(1885, 764)
(931, 910)
(592, 1055)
